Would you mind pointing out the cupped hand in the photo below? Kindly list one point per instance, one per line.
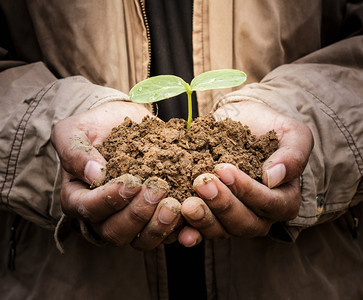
(123, 211)
(235, 204)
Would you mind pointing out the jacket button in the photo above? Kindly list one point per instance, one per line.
(320, 203)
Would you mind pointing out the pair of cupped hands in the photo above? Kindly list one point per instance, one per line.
(229, 204)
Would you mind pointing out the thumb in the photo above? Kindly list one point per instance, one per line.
(77, 155)
(94, 172)
(274, 175)
(289, 160)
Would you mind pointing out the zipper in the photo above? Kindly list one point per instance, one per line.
(12, 250)
(146, 23)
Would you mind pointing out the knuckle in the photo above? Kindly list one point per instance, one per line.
(222, 235)
(110, 235)
(243, 190)
(300, 160)
(114, 204)
(268, 206)
(157, 234)
(85, 213)
(248, 229)
(205, 223)
(293, 208)
(222, 208)
(76, 207)
(139, 215)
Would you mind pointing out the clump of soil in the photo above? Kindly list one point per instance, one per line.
(171, 152)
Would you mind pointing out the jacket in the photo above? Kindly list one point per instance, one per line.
(304, 59)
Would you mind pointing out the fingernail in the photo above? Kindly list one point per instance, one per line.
(275, 175)
(197, 214)
(156, 190)
(167, 215)
(206, 186)
(129, 185)
(127, 192)
(191, 244)
(224, 174)
(94, 172)
(152, 196)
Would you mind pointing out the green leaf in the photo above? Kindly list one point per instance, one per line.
(157, 88)
(218, 79)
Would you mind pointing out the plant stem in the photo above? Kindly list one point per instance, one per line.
(189, 122)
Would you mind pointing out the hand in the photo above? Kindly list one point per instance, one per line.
(235, 204)
(122, 211)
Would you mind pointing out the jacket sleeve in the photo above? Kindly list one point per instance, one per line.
(32, 101)
(325, 91)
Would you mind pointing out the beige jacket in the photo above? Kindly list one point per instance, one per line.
(303, 58)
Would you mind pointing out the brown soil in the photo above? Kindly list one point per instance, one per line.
(171, 152)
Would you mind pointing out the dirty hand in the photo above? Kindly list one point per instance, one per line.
(235, 204)
(121, 212)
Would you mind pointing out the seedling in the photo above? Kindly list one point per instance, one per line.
(163, 87)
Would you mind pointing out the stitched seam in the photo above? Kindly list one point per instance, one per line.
(326, 206)
(350, 141)
(308, 217)
(16, 147)
(203, 36)
(115, 97)
(301, 189)
(343, 129)
(337, 210)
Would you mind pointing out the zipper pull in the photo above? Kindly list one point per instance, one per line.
(355, 222)
(355, 227)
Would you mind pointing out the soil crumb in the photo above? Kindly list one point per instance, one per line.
(169, 151)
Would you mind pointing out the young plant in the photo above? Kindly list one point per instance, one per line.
(162, 87)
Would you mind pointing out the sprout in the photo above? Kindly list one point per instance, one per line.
(162, 87)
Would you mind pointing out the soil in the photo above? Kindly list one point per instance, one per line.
(169, 151)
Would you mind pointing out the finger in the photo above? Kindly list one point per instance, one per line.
(295, 139)
(236, 217)
(189, 237)
(77, 154)
(100, 203)
(172, 237)
(289, 160)
(199, 216)
(162, 224)
(121, 228)
(279, 204)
